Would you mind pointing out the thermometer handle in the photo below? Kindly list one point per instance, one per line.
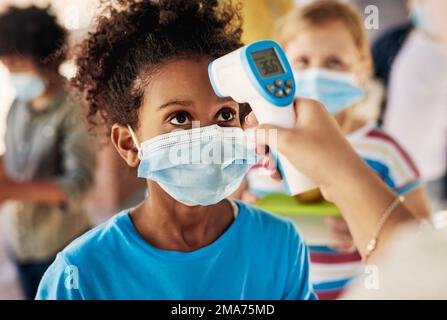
(267, 113)
(295, 181)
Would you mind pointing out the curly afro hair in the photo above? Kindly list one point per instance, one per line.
(32, 32)
(135, 37)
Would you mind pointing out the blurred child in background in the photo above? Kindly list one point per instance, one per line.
(327, 46)
(48, 164)
(328, 49)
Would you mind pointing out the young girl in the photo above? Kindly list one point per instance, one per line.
(327, 46)
(144, 71)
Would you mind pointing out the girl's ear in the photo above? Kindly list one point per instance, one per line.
(123, 142)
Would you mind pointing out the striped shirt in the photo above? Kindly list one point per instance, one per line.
(331, 270)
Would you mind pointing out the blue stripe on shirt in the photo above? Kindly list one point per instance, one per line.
(382, 170)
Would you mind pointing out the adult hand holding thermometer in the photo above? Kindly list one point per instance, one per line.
(260, 74)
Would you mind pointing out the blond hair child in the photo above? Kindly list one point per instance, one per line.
(327, 46)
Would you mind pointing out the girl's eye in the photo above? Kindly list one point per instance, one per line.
(180, 119)
(301, 63)
(226, 115)
(334, 63)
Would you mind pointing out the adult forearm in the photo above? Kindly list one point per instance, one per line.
(364, 208)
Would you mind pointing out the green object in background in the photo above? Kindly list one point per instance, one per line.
(289, 206)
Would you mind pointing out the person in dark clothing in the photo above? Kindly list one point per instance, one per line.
(385, 51)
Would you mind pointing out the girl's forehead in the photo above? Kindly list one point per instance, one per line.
(181, 80)
(331, 38)
(182, 73)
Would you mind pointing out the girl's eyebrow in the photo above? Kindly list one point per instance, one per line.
(185, 103)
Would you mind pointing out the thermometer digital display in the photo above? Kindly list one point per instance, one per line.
(268, 63)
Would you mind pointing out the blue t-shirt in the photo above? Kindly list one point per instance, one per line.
(259, 256)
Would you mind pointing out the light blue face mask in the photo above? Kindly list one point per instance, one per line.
(336, 90)
(201, 166)
(420, 19)
(27, 86)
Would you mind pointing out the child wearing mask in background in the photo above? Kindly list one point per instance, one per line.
(48, 164)
(328, 49)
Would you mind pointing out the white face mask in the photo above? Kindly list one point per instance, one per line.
(201, 166)
(27, 85)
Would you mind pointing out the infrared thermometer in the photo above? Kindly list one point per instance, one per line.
(260, 74)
